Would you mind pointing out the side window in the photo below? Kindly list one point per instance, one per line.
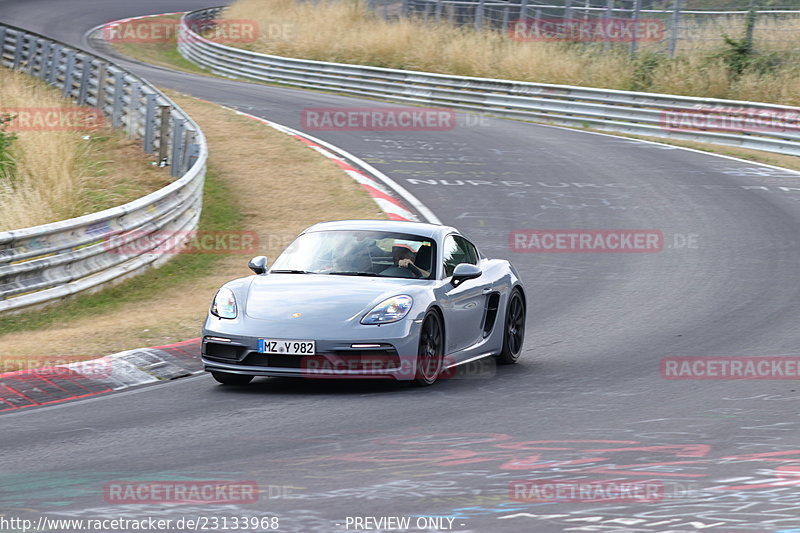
(457, 250)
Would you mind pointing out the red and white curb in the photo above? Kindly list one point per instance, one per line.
(82, 379)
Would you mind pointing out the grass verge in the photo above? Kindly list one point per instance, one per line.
(63, 166)
(343, 31)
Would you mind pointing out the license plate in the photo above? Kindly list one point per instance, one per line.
(286, 347)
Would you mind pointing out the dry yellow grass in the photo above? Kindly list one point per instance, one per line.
(341, 31)
(280, 187)
(67, 173)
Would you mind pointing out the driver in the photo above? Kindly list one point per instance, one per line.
(404, 258)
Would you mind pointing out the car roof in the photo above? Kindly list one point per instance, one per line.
(434, 231)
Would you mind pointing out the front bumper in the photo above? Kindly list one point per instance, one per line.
(379, 355)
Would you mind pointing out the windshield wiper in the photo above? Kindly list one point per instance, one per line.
(289, 271)
(352, 273)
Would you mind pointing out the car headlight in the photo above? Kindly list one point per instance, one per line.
(224, 305)
(390, 310)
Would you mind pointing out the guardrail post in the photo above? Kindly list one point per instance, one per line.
(188, 141)
(117, 98)
(86, 73)
(192, 152)
(18, 50)
(67, 88)
(163, 130)
(55, 64)
(674, 27)
(133, 111)
(2, 43)
(47, 59)
(177, 147)
(149, 123)
(99, 96)
(34, 54)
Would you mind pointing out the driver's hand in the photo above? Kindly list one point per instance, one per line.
(404, 263)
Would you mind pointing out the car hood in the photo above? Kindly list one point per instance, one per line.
(319, 299)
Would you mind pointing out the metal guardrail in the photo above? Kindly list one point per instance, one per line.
(629, 112)
(48, 262)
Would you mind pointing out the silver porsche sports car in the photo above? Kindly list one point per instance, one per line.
(366, 298)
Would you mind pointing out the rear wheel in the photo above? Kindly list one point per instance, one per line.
(513, 329)
(430, 355)
(232, 379)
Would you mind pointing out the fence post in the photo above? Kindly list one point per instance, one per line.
(523, 10)
(607, 14)
(673, 29)
(751, 24)
(479, 14)
(439, 7)
(637, 6)
(567, 9)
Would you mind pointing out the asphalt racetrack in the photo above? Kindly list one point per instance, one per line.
(587, 402)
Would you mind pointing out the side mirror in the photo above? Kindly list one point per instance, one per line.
(464, 272)
(258, 264)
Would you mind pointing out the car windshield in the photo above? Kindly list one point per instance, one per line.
(359, 253)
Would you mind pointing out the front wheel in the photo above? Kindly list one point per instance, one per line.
(232, 379)
(430, 355)
(513, 329)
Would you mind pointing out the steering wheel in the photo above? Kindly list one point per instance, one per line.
(398, 272)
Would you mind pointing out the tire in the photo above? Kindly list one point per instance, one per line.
(513, 329)
(430, 354)
(232, 379)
